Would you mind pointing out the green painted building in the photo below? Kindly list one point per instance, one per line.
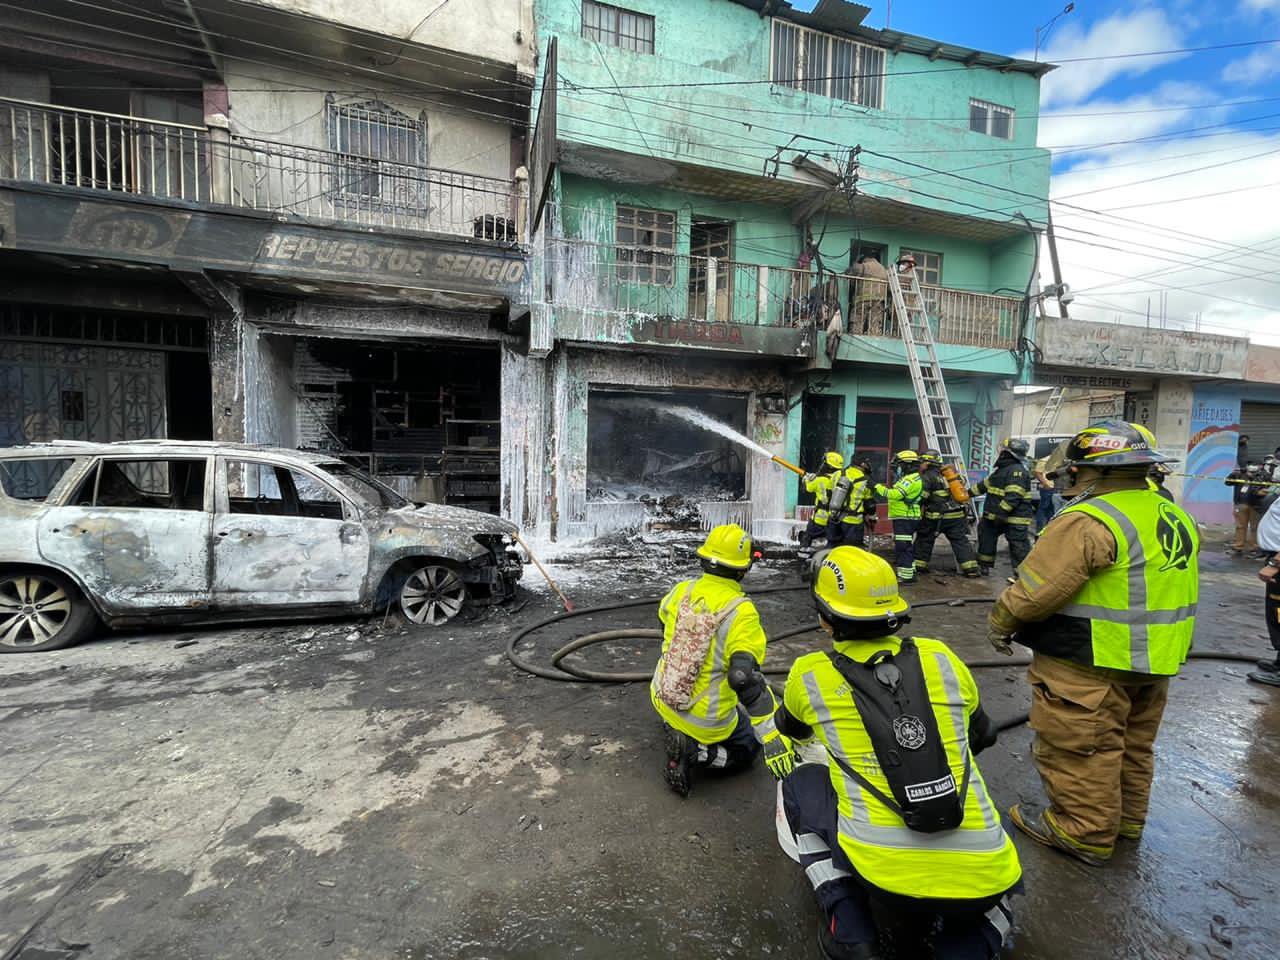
(708, 173)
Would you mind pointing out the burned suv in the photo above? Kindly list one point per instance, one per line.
(166, 531)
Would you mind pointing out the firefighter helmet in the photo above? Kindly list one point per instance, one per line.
(856, 587)
(727, 546)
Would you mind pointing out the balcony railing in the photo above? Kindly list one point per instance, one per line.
(172, 161)
(601, 277)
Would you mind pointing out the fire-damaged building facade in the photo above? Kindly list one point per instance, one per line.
(708, 180)
(267, 221)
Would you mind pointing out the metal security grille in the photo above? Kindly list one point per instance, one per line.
(378, 143)
(617, 27)
(827, 65)
(1260, 422)
(646, 246)
(991, 119)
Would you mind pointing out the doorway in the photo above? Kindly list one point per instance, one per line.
(819, 433)
(710, 239)
(885, 427)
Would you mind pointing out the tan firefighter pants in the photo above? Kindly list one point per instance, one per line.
(1095, 738)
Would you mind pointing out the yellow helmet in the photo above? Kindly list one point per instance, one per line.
(729, 546)
(834, 460)
(907, 456)
(856, 586)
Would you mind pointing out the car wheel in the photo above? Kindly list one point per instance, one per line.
(432, 595)
(40, 610)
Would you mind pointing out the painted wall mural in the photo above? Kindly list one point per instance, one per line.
(1211, 453)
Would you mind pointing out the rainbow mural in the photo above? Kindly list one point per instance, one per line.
(1211, 454)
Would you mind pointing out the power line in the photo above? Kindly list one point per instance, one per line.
(1199, 196)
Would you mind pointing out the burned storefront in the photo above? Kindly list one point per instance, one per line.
(411, 395)
(661, 441)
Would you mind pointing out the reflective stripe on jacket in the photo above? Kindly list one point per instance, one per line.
(821, 486)
(860, 498)
(904, 497)
(1139, 613)
(975, 860)
(713, 714)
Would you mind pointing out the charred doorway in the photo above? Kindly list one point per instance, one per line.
(819, 433)
(639, 449)
(424, 418)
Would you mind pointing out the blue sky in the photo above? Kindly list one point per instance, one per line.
(1136, 226)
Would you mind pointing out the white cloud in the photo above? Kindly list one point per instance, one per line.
(1121, 33)
(1176, 244)
(1168, 107)
(1258, 6)
(1259, 66)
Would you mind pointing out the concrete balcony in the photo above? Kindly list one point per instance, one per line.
(90, 184)
(609, 294)
(59, 146)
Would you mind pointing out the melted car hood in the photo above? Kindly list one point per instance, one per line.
(437, 516)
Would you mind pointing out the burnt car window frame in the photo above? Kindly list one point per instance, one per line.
(94, 475)
(222, 487)
(54, 495)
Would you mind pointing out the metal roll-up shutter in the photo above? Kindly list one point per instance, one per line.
(1260, 422)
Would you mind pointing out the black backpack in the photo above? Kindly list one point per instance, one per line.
(892, 698)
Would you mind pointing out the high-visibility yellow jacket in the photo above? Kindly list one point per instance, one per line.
(714, 712)
(975, 860)
(821, 486)
(861, 499)
(904, 497)
(1138, 613)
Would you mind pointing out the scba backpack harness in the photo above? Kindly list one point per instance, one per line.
(695, 629)
(893, 700)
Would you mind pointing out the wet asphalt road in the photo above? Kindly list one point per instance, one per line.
(356, 790)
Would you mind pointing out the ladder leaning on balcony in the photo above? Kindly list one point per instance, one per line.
(1049, 415)
(936, 417)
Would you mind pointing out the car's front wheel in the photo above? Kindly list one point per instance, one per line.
(432, 595)
(41, 610)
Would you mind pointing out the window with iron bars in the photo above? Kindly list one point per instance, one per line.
(617, 27)
(991, 119)
(382, 152)
(646, 241)
(827, 65)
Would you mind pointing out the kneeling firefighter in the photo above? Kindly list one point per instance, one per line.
(823, 485)
(897, 832)
(943, 514)
(717, 710)
(904, 511)
(1107, 603)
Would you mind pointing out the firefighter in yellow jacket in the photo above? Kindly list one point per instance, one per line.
(900, 815)
(1106, 600)
(716, 709)
(822, 485)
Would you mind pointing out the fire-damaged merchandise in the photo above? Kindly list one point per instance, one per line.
(167, 531)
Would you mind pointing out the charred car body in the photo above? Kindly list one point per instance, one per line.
(168, 531)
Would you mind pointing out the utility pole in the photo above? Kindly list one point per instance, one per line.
(1053, 259)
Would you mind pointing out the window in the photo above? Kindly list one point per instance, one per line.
(991, 119)
(646, 246)
(151, 484)
(828, 65)
(32, 479)
(378, 144)
(265, 489)
(928, 266)
(616, 27)
(72, 406)
(373, 492)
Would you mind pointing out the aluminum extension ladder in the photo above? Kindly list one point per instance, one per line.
(936, 417)
(1049, 415)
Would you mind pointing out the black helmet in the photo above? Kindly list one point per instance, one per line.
(1016, 446)
(931, 457)
(1111, 443)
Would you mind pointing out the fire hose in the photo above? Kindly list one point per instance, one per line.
(570, 672)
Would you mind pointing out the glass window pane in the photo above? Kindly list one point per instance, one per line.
(32, 479)
(977, 117)
(1001, 124)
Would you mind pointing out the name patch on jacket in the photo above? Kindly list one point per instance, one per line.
(918, 792)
